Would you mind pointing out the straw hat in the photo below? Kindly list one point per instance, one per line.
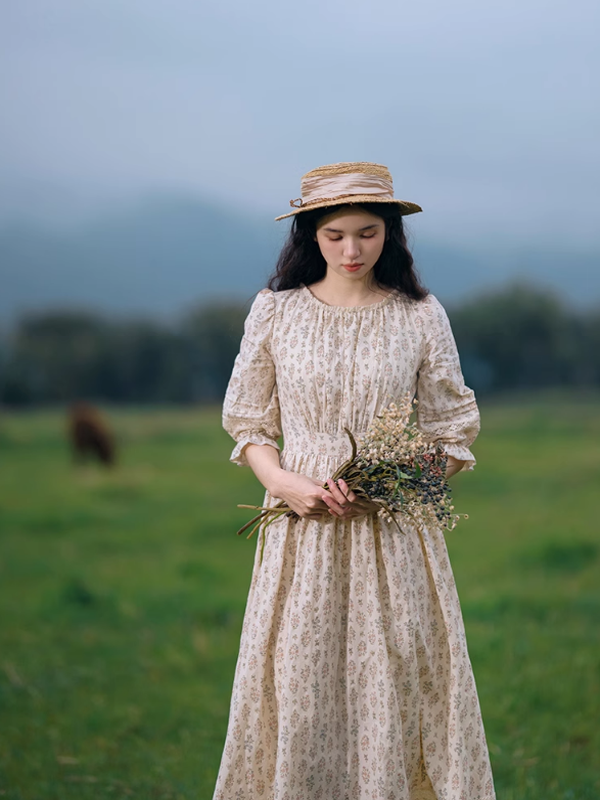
(345, 183)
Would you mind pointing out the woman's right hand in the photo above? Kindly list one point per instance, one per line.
(301, 493)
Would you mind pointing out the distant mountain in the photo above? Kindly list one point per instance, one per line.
(156, 258)
(453, 274)
(171, 252)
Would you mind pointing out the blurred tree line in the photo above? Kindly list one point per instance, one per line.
(517, 338)
(61, 356)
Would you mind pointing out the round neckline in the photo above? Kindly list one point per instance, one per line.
(348, 309)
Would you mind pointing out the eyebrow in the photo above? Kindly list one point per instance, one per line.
(366, 228)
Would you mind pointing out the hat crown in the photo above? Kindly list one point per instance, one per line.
(349, 168)
(346, 180)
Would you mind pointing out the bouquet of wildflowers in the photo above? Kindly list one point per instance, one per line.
(395, 467)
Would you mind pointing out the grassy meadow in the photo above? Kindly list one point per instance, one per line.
(122, 595)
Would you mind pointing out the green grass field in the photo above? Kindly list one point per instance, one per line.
(122, 594)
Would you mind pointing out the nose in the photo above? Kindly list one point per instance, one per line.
(351, 248)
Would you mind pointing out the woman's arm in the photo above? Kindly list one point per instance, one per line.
(447, 411)
(303, 494)
(453, 466)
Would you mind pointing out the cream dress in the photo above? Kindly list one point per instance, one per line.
(353, 680)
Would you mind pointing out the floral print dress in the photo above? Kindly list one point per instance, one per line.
(353, 680)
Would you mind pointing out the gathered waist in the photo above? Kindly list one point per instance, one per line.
(331, 444)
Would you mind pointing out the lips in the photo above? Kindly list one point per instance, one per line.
(352, 267)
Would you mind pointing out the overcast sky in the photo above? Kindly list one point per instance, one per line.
(486, 112)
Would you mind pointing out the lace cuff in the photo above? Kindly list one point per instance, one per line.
(238, 456)
(461, 453)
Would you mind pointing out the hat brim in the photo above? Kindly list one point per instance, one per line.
(405, 206)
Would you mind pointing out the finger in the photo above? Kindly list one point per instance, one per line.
(317, 501)
(332, 505)
(348, 493)
(313, 514)
(339, 496)
(349, 512)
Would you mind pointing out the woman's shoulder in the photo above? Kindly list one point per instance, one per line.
(282, 300)
(269, 307)
(427, 316)
(428, 306)
(431, 305)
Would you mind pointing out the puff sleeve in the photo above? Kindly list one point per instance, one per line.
(251, 406)
(446, 411)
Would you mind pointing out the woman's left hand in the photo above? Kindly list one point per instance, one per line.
(453, 466)
(344, 504)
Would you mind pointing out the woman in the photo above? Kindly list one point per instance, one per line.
(353, 678)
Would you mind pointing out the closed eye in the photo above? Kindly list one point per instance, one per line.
(362, 236)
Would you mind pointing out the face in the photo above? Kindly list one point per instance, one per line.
(351, 241)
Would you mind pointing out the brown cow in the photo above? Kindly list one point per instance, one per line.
(89, 435)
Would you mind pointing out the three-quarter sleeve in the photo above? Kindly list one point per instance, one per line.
(251, 406)
(447, 411)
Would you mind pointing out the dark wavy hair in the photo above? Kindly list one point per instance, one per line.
(300, 261)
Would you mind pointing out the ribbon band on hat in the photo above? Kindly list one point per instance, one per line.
(318, 188)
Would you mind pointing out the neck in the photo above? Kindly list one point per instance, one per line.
(336, 290)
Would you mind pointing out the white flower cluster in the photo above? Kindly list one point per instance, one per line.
(392, 437)
(399, 468)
